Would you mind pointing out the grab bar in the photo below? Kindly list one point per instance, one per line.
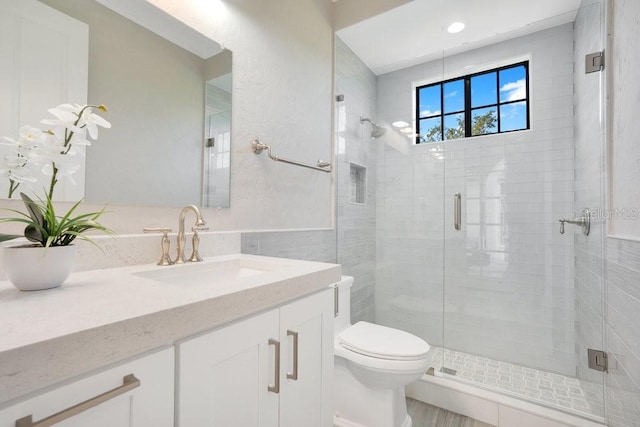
(258, 147)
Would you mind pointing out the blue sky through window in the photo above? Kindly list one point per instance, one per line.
(483, 90)
(454, 96)
(430, 101)
(513, 116)
(513, 84)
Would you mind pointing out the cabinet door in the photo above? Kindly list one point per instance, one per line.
(306, 398)
(224, 375)
(148, 404)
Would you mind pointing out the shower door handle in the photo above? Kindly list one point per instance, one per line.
(457, 211)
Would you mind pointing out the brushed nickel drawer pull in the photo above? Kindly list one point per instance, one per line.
(129, 382)
(275, 387)
(294, 375)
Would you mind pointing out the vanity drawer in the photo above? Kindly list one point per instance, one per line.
(135, 393)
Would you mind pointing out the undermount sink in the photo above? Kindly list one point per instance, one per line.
(209, 272)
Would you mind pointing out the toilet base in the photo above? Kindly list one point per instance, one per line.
(360, 405)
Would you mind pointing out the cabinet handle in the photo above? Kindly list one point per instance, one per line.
(275, 387)
(457, 211)
(129, 382)
(294, 375)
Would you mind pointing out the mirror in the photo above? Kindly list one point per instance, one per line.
(168, 93)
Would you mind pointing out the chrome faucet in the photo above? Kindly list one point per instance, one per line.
(181, 240)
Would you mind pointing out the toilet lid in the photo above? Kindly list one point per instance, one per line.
(383, 342)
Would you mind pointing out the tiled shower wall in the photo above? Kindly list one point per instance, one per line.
(355, 247)
(355, 150)
(508, 289)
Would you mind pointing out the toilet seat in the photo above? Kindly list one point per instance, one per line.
(381, 342)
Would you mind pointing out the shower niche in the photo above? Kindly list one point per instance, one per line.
(357, 184)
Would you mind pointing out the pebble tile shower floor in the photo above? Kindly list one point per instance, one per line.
(549, 389)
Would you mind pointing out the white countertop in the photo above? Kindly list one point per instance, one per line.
(102, 316)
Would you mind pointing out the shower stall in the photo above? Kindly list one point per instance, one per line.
(458, 240)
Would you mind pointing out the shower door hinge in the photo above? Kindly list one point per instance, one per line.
(594, 62)
(597, 360)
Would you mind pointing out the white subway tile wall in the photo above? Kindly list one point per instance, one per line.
(622, 338)
(356, 249)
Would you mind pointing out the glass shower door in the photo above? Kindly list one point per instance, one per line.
(523, 302)
(410, 214)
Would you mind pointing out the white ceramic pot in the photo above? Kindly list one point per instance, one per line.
(33, 268)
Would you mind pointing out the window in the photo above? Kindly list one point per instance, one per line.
(493, 101)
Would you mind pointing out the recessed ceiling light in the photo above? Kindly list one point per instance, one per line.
(399, 124)
(456, 27)
(407, 130)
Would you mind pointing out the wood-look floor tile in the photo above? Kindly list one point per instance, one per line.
(424, 415)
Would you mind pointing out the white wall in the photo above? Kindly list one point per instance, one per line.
(623, 256)
(508, 274)
(624, 161)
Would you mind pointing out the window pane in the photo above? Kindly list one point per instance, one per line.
(513, 116)
(430, 130)
(483, 90)
(454, 126)
(484, 121)
(513, 84)
(429, 101)
(453, 96)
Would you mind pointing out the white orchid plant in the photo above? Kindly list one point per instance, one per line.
(54, 154)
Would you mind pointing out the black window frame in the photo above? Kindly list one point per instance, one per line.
(467, 103)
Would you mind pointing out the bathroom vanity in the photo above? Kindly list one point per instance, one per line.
(235, 340)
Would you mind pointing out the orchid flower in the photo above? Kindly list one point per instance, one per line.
(54, 151)
(23, 160)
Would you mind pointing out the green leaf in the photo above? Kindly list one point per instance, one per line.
(5, 237)
(33, 234)
(47, 229)
(34, 210)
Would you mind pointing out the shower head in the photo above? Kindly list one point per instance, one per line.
(376, 131)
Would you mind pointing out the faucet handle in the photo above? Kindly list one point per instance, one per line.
(165, 259)
(195, 243)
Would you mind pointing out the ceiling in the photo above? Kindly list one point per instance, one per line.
(416, 32)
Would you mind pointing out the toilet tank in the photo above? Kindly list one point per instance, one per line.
(343, 317)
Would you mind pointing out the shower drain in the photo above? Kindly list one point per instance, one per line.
(448, 371)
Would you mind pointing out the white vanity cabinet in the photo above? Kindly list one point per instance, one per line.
(272, 369)
(138, 393)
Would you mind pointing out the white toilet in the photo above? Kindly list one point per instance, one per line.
(373, 364)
